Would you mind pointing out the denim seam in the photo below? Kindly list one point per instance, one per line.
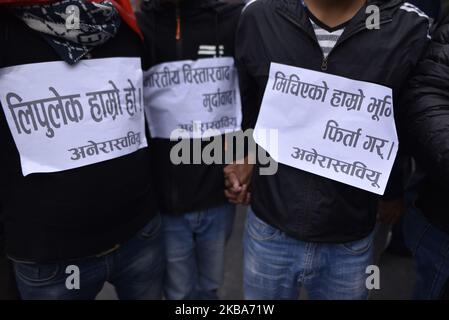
(420, 238)
(108, 273)
(436, 278)
(308, 265)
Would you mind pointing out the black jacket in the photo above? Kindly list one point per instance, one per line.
(430, 7)
(426, 121)
(303, 205)
(187, 187)
(73, 213)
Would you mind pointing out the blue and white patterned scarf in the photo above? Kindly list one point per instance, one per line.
(98, 22)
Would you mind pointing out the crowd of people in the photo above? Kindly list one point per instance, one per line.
(110, 115)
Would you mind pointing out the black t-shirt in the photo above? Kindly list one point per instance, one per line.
(74, 213)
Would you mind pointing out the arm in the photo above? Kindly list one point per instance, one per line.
(238, 176)
(425, 122)
(392, 204)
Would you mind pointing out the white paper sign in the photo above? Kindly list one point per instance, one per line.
(197, 96)
(64, 117)
(331, 126)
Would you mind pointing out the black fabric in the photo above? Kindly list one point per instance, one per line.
(445, 292)
(426, 123)
(430, 7)
(74, 213)
(8, 287)
(186, 187)
(306, 206)
(322, 25)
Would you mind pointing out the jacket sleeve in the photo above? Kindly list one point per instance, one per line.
(249, 96)
(3, 31)
(246, 53)
(425, 123)
(418, 41)
(145, 24)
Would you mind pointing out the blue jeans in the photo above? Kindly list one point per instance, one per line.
(136, 270)
(430, 248)
(195, 246)
(276, 265)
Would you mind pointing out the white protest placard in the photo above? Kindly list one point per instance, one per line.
(64, 117)
(201, 97)
(332, 126)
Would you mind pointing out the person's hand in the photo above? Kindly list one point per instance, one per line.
(237, 182)
(389, 212)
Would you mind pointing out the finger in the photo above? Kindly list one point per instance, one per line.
(235, 183)
(243, 194)
(231, 182)
(231, 188)
(230, 195)
(227, 169)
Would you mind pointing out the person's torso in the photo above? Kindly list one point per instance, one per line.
(181, 34)
(302, 204)
(103, 202)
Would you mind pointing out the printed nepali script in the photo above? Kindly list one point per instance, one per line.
(355, 169)
(66, 117)
(332, 126)
(200, 97)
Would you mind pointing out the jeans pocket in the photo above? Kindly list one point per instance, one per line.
(259, 230)
(33, 273)
(359, 247)
(152, 229)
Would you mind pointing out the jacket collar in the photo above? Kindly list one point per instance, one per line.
(294, 11)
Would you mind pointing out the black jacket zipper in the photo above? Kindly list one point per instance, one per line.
(178, 35)
(179, 55)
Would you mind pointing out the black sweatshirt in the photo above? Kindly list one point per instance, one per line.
(187, 187)
(74, 213)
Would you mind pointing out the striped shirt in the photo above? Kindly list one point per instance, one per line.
(327, 38)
